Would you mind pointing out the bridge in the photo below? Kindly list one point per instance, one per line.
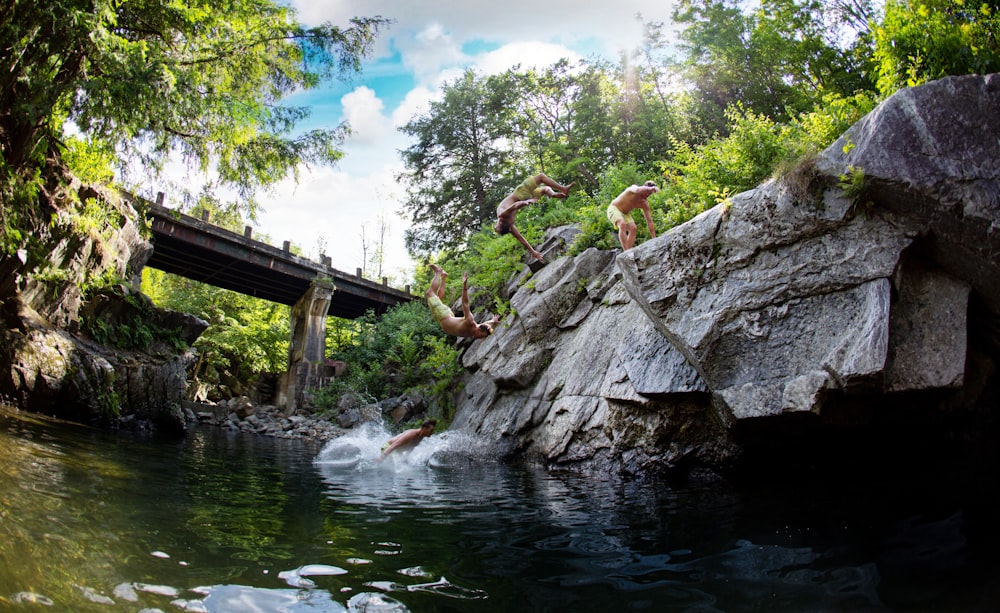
(198, 250)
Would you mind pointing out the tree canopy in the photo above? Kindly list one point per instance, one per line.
(706, 105)
(147, 78)
(921, 40)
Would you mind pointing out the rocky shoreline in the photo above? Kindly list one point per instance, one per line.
(241, 415)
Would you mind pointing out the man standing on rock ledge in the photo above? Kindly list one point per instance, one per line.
(619, 210)
(456, 326)
(405, 441)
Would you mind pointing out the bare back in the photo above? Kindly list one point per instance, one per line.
(633, 198)
(461, 326)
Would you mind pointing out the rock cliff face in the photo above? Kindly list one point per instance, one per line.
(47, 364)
(796, 306)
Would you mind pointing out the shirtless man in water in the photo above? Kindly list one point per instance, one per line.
(632, 198)
(457, 326)
(409, 439)
(530, 190)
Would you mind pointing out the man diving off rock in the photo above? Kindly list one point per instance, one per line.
(528, 192)
(632, 198)
(465, 326)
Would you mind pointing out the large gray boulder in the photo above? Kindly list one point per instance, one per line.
(788, 300)
(50, 360)
(798, 288)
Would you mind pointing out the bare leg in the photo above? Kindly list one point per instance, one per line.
(557, 190)
(629, 235)
(622, 235)
(438, 282)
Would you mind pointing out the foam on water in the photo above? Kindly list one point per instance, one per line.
(443, 470)
(361, 448)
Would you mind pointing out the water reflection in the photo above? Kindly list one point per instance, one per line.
(576, 538)
(93, 521)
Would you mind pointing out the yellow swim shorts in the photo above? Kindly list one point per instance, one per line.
(615, 216)
(439, 310)
(528, 189)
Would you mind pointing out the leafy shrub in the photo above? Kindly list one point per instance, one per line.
(756, 148)
(491, 261)
(703, 176)
(444, 368)
(923, 40)
(91, 161)
(389, 353)
(246, 335)
(817, 129)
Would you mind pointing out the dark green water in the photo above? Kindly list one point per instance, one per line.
(93, 521)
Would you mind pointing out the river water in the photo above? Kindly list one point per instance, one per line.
(98, 521)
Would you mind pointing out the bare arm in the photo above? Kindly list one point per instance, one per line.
(398, 441)
(507, 211)
(644, 192)
(466, 311)
(535, 254)
(649, 220)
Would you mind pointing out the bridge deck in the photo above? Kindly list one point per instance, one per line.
(198, 250)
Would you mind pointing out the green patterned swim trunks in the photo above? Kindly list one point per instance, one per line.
(439, 310)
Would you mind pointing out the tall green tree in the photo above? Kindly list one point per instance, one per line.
(718, 63)
(577, 120)
(811, 44)
(596, 122)
(454, 171)
(153, 77)
(547, 122)
(922, 40)
(776, 61)
(646, 116)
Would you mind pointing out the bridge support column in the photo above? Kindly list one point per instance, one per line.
(307, 350)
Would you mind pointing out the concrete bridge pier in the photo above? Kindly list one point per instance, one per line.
(307, 350)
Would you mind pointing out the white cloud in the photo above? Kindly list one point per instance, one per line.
(429, 51)
(531, 54)
(449, 75)
(565, 22)
(332, 206)
(417, 102)
(363, 111)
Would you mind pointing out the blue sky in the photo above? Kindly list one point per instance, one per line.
(429, 43)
